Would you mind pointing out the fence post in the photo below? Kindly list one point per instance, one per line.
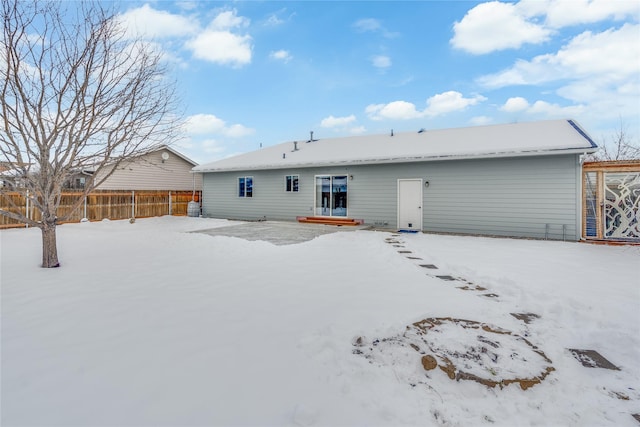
(26, 210)
(133, 204)
(84, 215)
(170, 207)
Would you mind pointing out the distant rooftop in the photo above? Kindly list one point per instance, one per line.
(506, 140)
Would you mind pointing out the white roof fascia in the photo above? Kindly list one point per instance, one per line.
(396, 160)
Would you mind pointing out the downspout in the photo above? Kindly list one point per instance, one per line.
(579, 196)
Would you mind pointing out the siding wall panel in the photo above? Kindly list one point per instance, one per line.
(523, 197)
(150, 173)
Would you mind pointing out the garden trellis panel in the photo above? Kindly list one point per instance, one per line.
(611, 200)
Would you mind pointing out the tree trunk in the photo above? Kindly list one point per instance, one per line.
(49, 246)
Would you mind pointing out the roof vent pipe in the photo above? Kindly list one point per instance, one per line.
(284, 155)
(295, 145)
(391, 132)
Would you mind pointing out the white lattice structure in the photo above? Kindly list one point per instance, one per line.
(611, 200)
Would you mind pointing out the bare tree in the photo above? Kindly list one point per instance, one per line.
(77, 95)
(618, 147)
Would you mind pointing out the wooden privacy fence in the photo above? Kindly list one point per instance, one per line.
(105, 204)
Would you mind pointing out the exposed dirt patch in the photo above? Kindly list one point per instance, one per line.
(619, 395)
(429, 362)
(526, 317)
(463, 350)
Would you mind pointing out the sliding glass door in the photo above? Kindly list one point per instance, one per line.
(331, 195)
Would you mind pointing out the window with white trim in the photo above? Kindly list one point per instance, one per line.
(291, 183)
(245, 186)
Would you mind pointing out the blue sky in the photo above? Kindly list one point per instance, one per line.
(265, 72)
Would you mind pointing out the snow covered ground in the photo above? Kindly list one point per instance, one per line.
(148, 324)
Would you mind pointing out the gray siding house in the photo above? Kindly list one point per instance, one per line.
(519, 180)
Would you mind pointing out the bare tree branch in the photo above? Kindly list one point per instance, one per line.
(77, 95)
(618, 147)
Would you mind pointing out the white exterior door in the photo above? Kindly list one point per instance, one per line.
(410, 204)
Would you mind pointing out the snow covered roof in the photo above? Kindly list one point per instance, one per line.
(507, 140)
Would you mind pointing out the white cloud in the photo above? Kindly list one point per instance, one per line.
(148, 22)
(540, 69)
(495, 26)
(199, 124)
(212, 146)
(208, 124)
(438, 104)
(228, 20)
(371, 25)
(332, 122)
(581, 58)
(519, 104)
(216, 150)
(394, 110)
(555, 110)
(381, 61)
(281, 55)
(565, 13)
(358, 130)
(367, 25)
(187, 5)
(614, 53)
(480, 120)
(343, 124)
(275, 19)
(515, 104)
(447, 102)
(220, 45)
(238, 131)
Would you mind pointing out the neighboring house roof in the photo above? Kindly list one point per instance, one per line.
(507, 140)
(155, 150)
